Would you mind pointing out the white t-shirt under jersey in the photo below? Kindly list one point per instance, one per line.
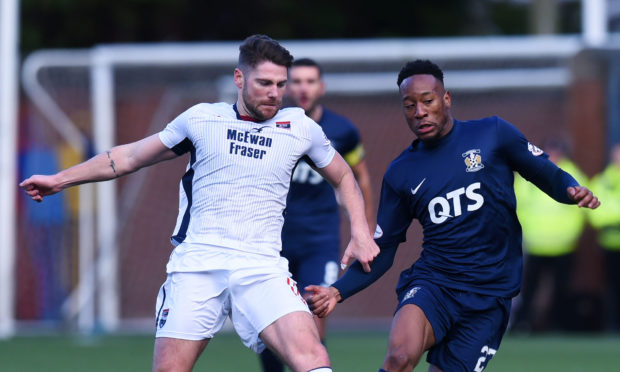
(234, 191)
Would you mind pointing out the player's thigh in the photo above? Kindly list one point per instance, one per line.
(411, 333)
(292, 333)
(261, 295)
(172, 354)
(422, 316)
(475, 337)
(192, 305)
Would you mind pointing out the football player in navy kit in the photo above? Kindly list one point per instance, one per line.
(456, 178)
(311, 231)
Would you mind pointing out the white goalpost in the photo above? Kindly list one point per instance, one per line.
(9, 26)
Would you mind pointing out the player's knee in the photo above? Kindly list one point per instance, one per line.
(400, 360)
(320, 352)
(163, 364)
(316, 356)
(308, 357)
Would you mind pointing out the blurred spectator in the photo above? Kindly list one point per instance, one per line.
(46, 241)
(551, 232)
(607, 223)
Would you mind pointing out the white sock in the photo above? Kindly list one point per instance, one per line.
(321, 369)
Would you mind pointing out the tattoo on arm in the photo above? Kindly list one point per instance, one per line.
(112, 165)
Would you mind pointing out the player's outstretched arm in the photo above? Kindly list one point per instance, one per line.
(114, 163)
(322, 300)
(361, 247)
(583, 197)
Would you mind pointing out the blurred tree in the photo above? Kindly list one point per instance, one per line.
(84, 23)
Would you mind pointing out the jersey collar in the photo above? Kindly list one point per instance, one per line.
(243, 117)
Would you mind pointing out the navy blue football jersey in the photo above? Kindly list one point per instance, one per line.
(460, 189)
(311, 207)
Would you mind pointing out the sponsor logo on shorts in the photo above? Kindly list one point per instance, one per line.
(411, 293)
(293, 285)
(164, 316)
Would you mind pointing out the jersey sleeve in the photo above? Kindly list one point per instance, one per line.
(393, 217)
(356, 279)
(321, 151)
(175, 136)
(533, 164)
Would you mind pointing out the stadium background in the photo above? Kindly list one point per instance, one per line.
(146, 98)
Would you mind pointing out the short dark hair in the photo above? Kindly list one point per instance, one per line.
(419, 67)
(308, 62)
(258, 48)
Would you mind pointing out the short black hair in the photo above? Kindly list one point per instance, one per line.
(419, 67)
(308, 62)
(259, 48)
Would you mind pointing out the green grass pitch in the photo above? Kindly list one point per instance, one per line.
(350, 351)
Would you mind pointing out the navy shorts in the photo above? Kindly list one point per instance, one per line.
(312, 261)
(468, 326)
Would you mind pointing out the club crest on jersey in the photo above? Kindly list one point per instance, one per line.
(411, 293)
(473, 160)
(536, 151)
(283, 124)
(164, 316)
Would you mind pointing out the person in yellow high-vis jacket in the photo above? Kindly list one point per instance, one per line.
(551, 232)
(606, 221)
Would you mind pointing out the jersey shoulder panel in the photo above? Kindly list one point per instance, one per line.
(295, 120)
(290, 113)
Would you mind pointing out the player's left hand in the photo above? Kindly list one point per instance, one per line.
(322, 300)
(583, 196)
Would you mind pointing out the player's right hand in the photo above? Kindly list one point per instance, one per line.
(39, 186)
(322, 300)
(583, 197)
(363, 250)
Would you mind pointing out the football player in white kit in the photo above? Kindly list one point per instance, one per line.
(227, 261)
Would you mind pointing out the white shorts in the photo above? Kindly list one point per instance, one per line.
(254, 291)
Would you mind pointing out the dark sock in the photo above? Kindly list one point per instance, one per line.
(270, 362)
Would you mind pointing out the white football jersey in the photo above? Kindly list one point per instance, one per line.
(233, 193)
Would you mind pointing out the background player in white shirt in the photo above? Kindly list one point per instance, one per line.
(226, 261)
